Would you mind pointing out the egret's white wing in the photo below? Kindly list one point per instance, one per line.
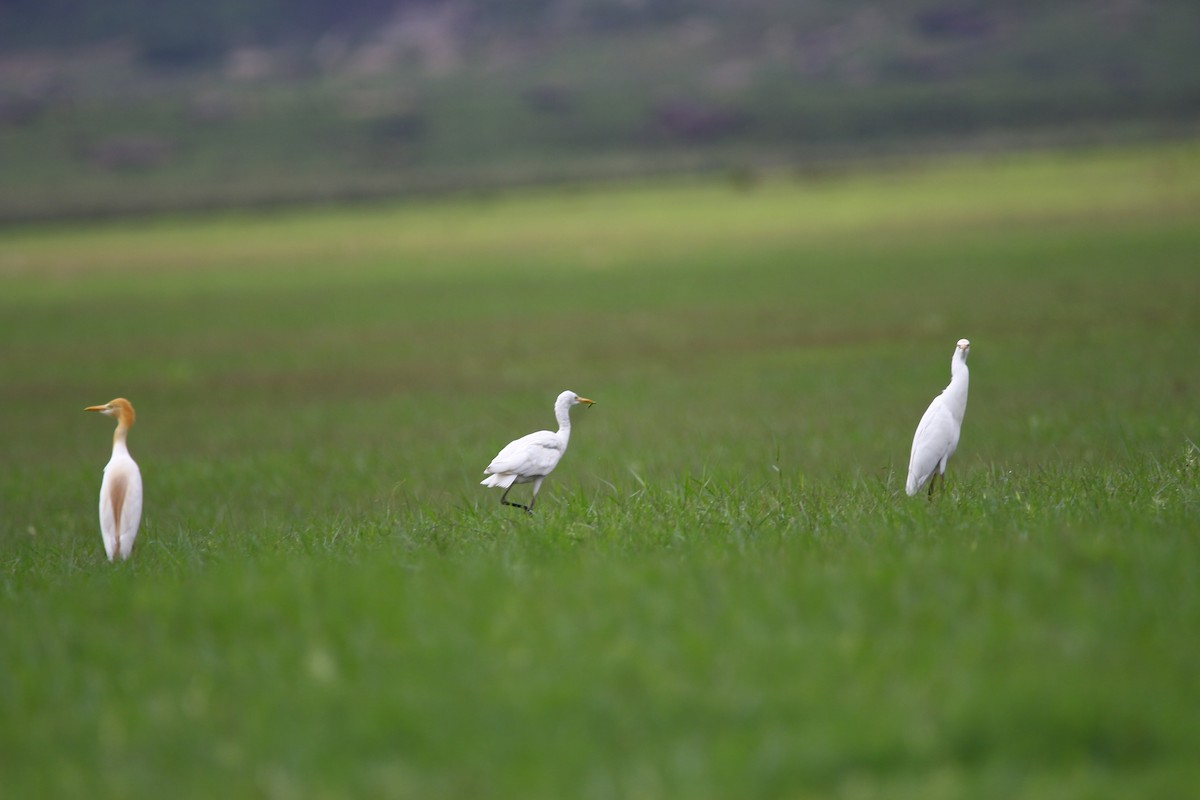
(934, 440)
(131, 514)
(532, 455)
(108, 527)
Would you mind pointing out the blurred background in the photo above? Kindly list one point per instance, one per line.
(126, 106)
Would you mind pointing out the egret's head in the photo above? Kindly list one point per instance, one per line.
(965, 347)
(569, 398)
(120, 408)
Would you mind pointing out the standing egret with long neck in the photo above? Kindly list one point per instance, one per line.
(121, 489)
(939, 429)
(531, 458)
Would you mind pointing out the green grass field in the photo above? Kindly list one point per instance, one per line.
(723, 592)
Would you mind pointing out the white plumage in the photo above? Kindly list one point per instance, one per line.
(121, 489)
(939, 429)
(531, 458)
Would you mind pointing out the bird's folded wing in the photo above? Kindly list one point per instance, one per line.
(535, 454)
(932, 439)
(132, 514)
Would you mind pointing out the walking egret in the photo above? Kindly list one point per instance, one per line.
(121, 489)
(937, 434)
(531, 458)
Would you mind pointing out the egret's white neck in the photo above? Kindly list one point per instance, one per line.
(956, 392)
(119, 435)
(562, 412)
(958, 365)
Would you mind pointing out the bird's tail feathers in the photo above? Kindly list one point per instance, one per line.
(501, 479)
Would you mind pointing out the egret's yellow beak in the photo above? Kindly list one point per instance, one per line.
(585, 401)
(96, 408)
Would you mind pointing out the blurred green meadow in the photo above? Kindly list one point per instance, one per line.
(723, 592)
(140, 106)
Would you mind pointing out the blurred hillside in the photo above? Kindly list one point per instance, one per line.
(138, 105)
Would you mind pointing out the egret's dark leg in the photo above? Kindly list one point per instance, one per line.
(504, 500)
(537, 485)
(932, 481)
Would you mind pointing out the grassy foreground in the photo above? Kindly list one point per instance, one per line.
(724, 591)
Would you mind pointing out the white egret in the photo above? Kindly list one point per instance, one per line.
(937, 434)
(531, 458)
(121, 489)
